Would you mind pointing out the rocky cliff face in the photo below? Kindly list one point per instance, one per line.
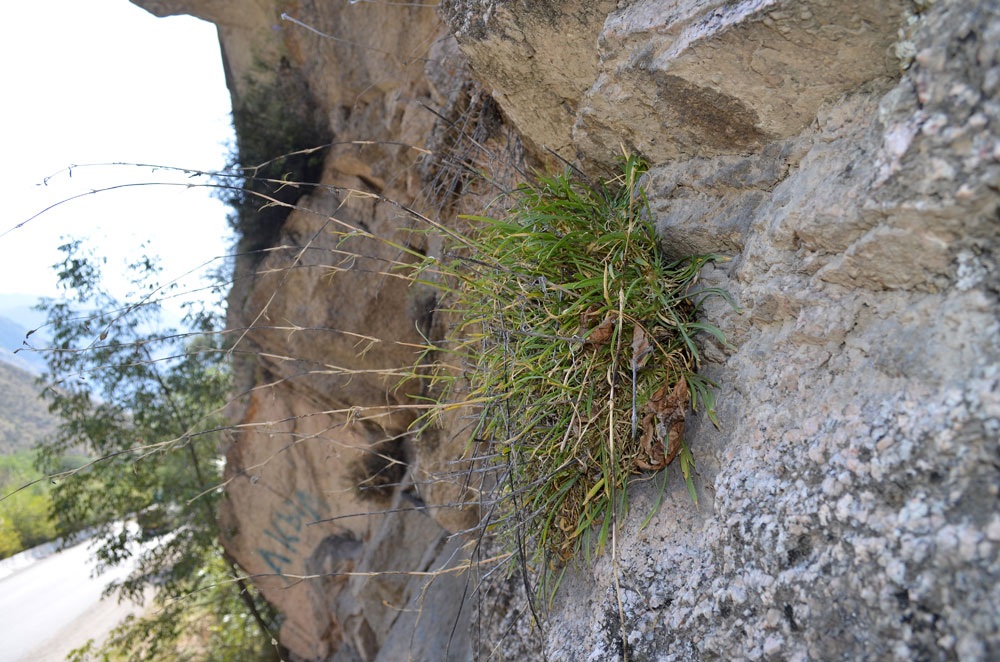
(845, 156)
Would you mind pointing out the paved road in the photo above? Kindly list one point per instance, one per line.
(54, 606)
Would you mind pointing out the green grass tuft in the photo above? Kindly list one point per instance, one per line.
(575, 337)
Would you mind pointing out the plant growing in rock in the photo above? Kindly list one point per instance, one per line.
(279, 126)
(575, 338)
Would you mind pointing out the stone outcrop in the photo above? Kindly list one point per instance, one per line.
(848, 501)
(322, 422)
(673, 79)
(845, 157)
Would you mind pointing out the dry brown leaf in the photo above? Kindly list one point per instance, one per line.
(668, 404)
(651, 458)
(640, 347)
(674, 439)
(602, 332)
(665, 413)
(588, 318)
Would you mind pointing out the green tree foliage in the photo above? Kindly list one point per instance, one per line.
(10, 539)
(150, 409)
(24, 517)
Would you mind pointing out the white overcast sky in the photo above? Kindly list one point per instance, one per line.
(105, 81)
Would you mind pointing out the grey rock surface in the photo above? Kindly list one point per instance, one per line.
(537, 59)
(441, 601)
(673, 78)
(705, 78)
(848, 503)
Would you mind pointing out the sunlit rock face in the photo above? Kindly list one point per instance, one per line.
(848, 499)
(673, 79)
(329, 324)
(844, 157)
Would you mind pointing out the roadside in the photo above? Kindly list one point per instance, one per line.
(95, 623)
(22, 560)
(51, 605)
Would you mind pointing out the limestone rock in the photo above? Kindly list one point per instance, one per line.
(673, 78)
(537, 59)
(848, 499)
(327, 326)
(698, 79)
(845, 157)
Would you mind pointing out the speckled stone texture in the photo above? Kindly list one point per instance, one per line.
(849, 501)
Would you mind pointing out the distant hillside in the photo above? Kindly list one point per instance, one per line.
(17, 317)
(11, 337)
(24, 418)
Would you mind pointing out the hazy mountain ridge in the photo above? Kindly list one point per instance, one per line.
(17, 317)
(24, 416)
(12, 335)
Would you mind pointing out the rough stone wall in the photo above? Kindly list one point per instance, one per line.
(330, 324)
(849, 499)
(670, 79)
(844, 156)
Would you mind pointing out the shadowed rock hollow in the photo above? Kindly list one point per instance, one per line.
(845, 156)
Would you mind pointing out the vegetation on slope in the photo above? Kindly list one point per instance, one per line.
(149, 408)
(25, 518)
(24, 417)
